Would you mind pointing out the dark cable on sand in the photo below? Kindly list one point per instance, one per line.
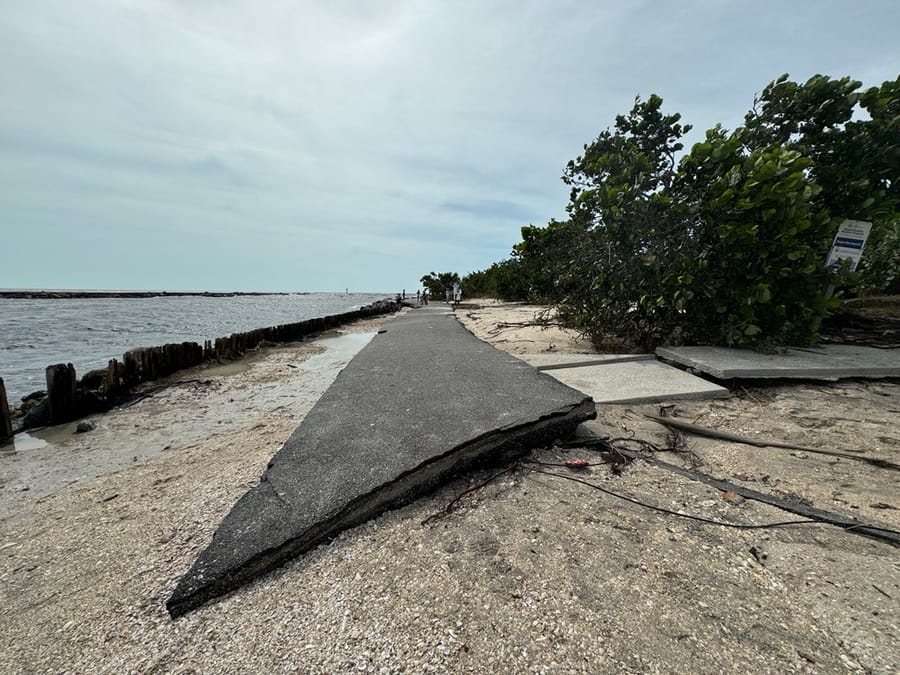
(666, 511)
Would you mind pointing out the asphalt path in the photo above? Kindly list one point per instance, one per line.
(424, 400)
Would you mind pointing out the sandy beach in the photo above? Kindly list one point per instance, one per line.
(531, 573)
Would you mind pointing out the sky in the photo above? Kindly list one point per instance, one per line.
(300, 145)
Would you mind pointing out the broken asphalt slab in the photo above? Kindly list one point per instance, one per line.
(421, 402)
(829, 362)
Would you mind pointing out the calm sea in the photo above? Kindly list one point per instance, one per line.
(87, 332)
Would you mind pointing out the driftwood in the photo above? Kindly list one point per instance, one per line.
(647, 453)
(698, 430)
(507, 325)
(844, 522)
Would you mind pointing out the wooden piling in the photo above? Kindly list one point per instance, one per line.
(61, 392)
(113, 378)
(5, 418)
(131, 360)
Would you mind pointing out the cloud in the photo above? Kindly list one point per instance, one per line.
(307, 143)
(490, 209)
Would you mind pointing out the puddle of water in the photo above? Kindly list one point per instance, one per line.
(332, 340)
(233, 367)
(24, 441)
(230, 368)
(57, 434)
(340, 348)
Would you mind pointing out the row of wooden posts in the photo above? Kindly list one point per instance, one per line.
(70, 399)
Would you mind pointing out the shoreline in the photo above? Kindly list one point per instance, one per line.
(181, 410)
(38, 294)
(68, 398)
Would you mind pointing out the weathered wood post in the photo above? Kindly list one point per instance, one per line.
(61, 392)
(5, 419)
(113, 379)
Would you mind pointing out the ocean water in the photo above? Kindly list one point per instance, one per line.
(87, 332)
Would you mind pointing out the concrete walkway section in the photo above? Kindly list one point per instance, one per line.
(422, 401)
(624, 378)
(830, 362)
(637, 381)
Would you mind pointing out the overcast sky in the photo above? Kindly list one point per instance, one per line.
(301, 145)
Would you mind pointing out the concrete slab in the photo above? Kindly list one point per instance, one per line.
(550, 361)
(645, 381)
(829, 362)
(420, 402)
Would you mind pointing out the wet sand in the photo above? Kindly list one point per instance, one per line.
(179, 411)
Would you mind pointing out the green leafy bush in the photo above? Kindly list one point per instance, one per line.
(879, 270)
(758, 277)
(505, 280)
(726, 244)
(438, 284)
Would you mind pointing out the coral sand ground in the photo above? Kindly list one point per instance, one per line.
(530, 573)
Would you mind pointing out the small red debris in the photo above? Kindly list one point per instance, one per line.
(577, 463)
(732, 497)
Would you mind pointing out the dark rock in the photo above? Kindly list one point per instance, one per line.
(37, 416)
(84, 426)
(92, 401)
(95, 379)
(29, 404)
(34, 396)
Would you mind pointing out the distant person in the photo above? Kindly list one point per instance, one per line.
(418, 296)
(404, 294)
(425, 297)
(457, 293)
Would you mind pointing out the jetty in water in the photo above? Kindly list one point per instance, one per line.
(38, 294)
